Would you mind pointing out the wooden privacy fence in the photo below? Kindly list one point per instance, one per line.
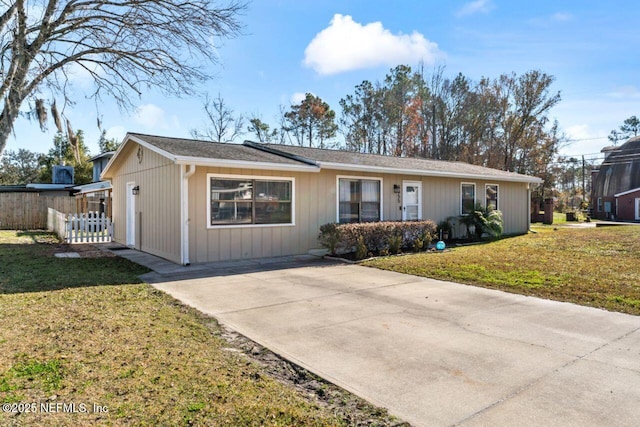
(28, 211)
(92, 227)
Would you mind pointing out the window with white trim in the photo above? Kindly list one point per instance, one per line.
(359, 200)
(491, 196)
(243, 201)
(467, 198)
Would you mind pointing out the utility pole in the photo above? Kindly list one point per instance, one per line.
(583, 180)
(434, 154)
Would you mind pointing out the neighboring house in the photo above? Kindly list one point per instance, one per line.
(628, 205)
(99, 163)
(616, 184)
(96, 197)
(193, 201)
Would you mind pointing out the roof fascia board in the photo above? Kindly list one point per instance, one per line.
(624, 193)
(153, 148)
(127, 140)
(381, 169)
(243, 164)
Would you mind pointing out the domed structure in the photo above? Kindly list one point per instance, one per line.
(616, 185)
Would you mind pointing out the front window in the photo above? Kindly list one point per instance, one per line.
(491, 201)
(359, 200)
(238, 201)
(468, 198)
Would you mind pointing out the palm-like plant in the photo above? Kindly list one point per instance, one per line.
(482, 221)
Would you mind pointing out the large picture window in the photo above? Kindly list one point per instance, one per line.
(468, 198)
(491, 200)
(243, 201)
(359, 200)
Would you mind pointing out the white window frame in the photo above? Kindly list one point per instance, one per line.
(370, 178)
(485, 195)
(259, 177)
(475, 194)
(599, 209)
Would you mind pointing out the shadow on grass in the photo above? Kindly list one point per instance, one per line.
(32, 267)
(37, 236)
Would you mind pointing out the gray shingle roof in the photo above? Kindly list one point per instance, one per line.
(347, 158)
(284, 155)
(211, 150)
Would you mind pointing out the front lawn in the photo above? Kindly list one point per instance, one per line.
(88, 344)
(598, 267)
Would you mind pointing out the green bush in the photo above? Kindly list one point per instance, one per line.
(482, 221)
(330, 237)
(377, 237)
(395, 243)
(361, 249)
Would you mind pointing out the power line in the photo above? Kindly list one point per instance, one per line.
(586, 139)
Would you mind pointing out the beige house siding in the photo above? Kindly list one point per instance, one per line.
(157, 204)
(316, 203)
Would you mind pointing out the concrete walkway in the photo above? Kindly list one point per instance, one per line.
(433, 352)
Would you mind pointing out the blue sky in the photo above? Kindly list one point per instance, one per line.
(327, 47)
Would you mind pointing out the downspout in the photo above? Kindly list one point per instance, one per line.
(529, 204)
(185, 174)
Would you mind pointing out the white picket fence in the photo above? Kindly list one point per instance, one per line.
(92, 227)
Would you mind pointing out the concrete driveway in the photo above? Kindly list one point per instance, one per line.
(433, 352)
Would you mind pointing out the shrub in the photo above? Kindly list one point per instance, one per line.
(418, 244)
(395, 243)
(329, 237)
(483, 221)
(361, 249)
(376, 236)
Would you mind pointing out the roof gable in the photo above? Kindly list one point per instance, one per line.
(204, 153)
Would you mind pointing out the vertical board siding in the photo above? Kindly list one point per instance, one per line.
(158, 208)
(315, 204)
(28, 211)
(157, 204)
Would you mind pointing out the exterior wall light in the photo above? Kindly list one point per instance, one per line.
(135, 190)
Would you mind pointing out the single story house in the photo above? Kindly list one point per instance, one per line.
(193, 201)
(614, 185)
(628, 205)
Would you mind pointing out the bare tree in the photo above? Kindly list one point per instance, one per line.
(222, 124)
(125, 46)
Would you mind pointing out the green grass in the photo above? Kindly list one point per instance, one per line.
(84, 331)
(598, 267)
(27, 265)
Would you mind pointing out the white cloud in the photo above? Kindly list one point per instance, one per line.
(153, 117)
(297, 98)
(117, 132)
(474, 7)
(347, 45)
(579, 132)
(625, 92)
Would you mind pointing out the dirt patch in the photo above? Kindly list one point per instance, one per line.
(352, 409)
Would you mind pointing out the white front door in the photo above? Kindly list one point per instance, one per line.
(131, 214)
(637, 209)
(411, 200)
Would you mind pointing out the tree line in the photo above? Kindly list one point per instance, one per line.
(501, 123)
(23, 166)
